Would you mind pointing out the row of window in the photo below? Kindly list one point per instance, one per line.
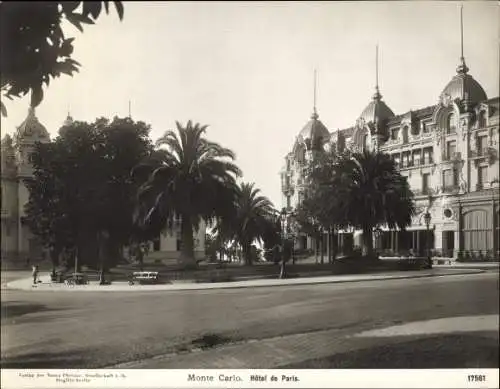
(450, 179)
(414, 131)
(424, 156)
(450, 127)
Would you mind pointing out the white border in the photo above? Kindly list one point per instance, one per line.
(237, 378)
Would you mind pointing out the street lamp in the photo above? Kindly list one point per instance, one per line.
(283, 230)
(283, 225)
(293, 232)
(427, 219)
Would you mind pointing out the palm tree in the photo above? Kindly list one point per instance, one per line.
(193, 179)
(367, 192)
(250, 222)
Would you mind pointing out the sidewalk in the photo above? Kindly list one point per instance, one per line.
(278, 352)
(470, 265)
(46, 285)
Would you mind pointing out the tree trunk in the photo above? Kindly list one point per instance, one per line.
(367, 241)
(315, 250)
(140, 257)
(101, 241)
(334, 247)
(54, 257)
(88, 249)
(187, 258)
(247, 253)
(322, 248)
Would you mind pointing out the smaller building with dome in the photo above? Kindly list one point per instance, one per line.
(18, 243)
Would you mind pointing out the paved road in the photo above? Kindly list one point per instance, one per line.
(91, 330)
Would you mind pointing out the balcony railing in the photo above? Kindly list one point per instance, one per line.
(287, 189)
(423, 192)
(482, 185)
(480, 152)
(452, 157)
(450, 188)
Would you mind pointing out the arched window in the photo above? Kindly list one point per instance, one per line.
(481, 121)
(450, 123)
(415, 130)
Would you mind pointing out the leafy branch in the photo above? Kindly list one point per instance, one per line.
(34, 47)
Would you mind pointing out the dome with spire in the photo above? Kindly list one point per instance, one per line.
(314, 133)
(68, 121)
(377, 110)
(463, 86)
(31, 129)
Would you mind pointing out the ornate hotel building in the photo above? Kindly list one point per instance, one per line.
(18, 243)
(448, 152)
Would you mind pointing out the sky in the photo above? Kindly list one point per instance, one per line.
(246, 69)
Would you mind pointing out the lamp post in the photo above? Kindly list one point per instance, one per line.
(378, 246)
(427, 219)
(283, 230)
(293, 233)
(283, 225)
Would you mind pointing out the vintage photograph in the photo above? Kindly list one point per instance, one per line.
(250, 185)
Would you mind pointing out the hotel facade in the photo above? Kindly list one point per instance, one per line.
(447, 151)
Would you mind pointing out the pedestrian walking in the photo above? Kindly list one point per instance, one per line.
(35, 274)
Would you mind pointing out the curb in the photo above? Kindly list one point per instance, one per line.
(230, 285)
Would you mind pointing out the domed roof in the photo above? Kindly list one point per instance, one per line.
(463, 86)
(314, 131)
(376, 110)
(68, 121)
(7, 142)
(8, 154)
(31, 128)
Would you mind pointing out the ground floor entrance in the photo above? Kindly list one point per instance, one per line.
(417, 242)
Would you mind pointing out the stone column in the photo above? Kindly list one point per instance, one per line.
(459, 238)
(418, 248)
(494, 241)
(328, 245)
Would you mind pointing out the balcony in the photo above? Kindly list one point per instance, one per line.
(479, 153)
(481, 186)
(452, 157)
(450, 188)
(287, 189)
(451, 130)
(406, 164)
(423, 192)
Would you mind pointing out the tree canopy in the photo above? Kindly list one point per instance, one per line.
(34, 46)
(360, 190)
(194, 180)
(251, 219)
(82, 187)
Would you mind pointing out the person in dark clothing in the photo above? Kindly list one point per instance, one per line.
(35, 274)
